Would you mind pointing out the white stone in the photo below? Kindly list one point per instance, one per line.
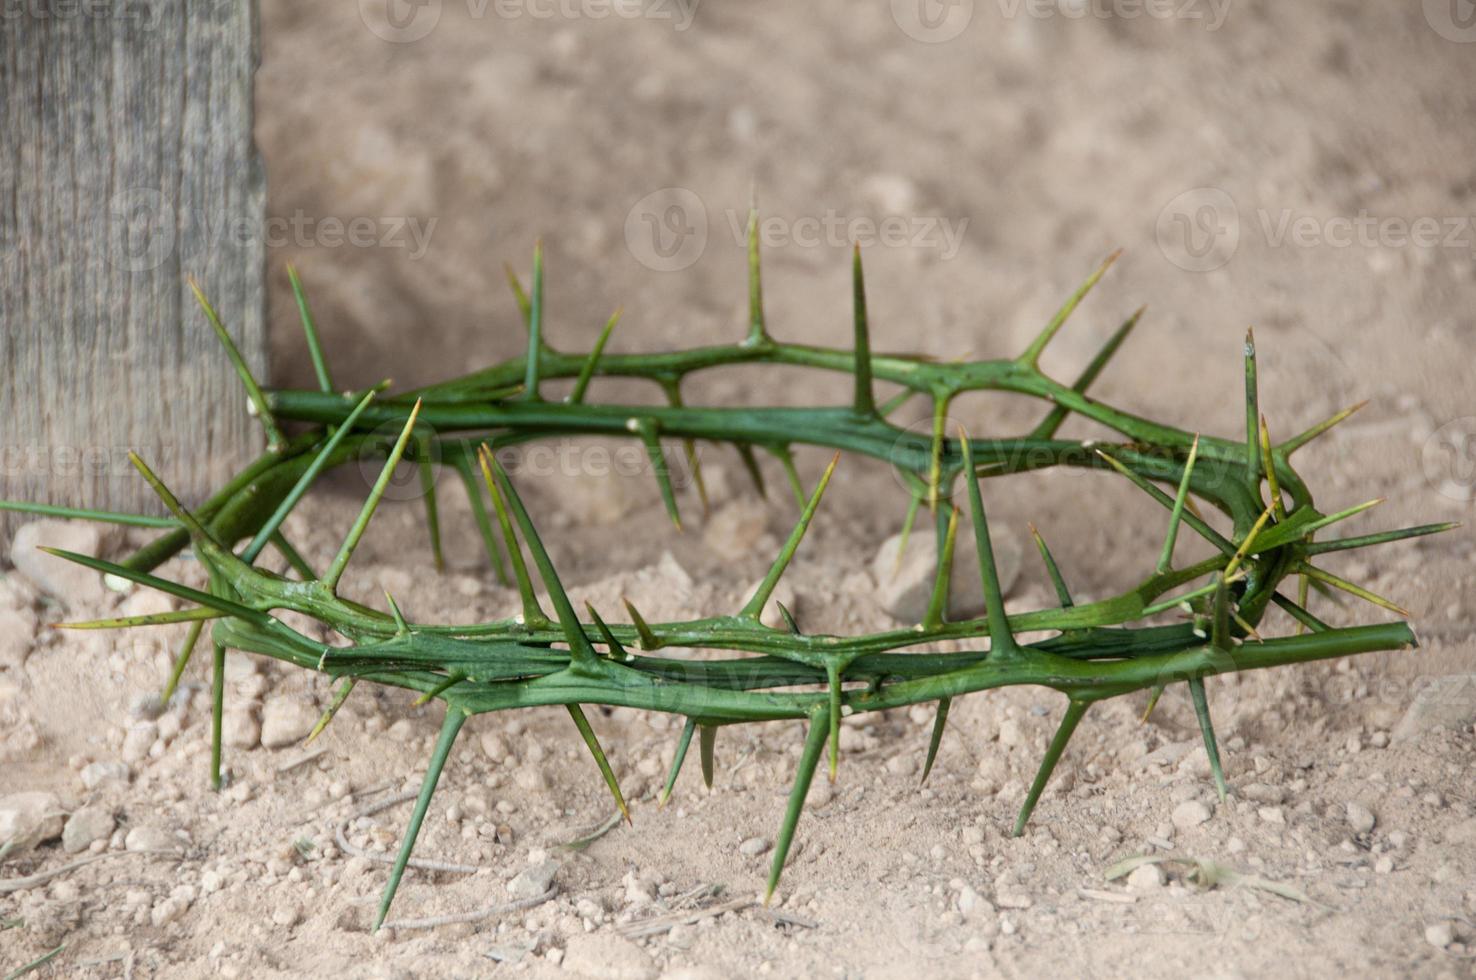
(1146, 878)
(28, 819)
(88, 824)
(96, 775)
(607, 956)
(287, 721)
(905, 588)
(239, 728)
(73, 584)
(1190, 813)
(1360, 817)
(754, 846)
(1440, 934)
(137, 740)
(533, 881)
(150, 837)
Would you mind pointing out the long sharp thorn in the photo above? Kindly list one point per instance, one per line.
(1189, 517)
(1074, 711)
(1297, 442)
(275, 439)
(484, 522)
(84, 514)
(833, 692)
(1268, 463)
(224, 606)
(1166, 557)
(707, 741)
(579, 646)
(193, 616)
(1384, 537)
(1248, 627)
(1304, 586)
(617, 649)
(438, 690)
(1001, 640)
(865, 400)
(786, 459)
(683, 744)
(587, 733)
(217, 711)
(1207, 729)
(1247, 547)
(294, 557)
(455, 718)
(896, 401)
(339, 697)
(432, 508)
(649, 640)
(361, 523)
(751, 464)
(755, 605)
(304, 482)
(804, 775)
(1052, 569)
(587, 369)
(1153, 697)
(940, 722)
(1341, 515)
(1297, 611)
(202, 536)
(757, 331)
(935, 453)
(938, 602)
(1252, 414)
(533, 614)
(531, 376)
(647, 430)
(1327, 578)
(520, 296)
(689, 448)
(310, 332)
(1052, 422)
(191, 639)
(914, 504)
(1031, 357)
(401, 626)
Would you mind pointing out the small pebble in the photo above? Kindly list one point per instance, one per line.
(1440, 934)
(1360, 817)
(1146, 878)
(1190, 813)
(754, 846)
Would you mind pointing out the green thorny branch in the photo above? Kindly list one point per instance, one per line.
(1092, 652)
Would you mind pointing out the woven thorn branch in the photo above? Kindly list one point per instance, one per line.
(1216, 607)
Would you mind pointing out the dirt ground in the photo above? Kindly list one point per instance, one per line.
(1303, 168)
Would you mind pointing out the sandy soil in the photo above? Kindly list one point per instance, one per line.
(1304, 168)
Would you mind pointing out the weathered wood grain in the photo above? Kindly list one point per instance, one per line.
(126, 166)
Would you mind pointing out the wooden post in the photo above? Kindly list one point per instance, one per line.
(126, 166)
